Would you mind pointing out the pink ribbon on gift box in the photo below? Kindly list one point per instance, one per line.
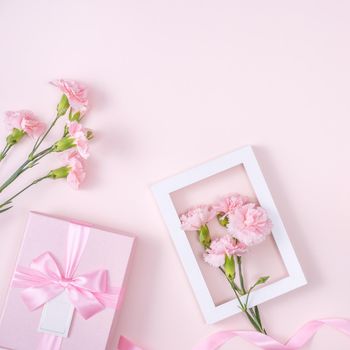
(45, 279)
(262, 341)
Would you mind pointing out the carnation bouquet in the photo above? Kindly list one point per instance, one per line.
(247, 224)
(73, 145)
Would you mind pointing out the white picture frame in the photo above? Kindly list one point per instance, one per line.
(245, 156)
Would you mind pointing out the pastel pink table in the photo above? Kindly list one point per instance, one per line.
(177, 83)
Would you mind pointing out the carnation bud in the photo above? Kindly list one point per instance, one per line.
(62, 106)
(64, 143)
(204, 236)
(90, 134)
(223, 219)
(15, 136)
(229, 267)
(59, 173)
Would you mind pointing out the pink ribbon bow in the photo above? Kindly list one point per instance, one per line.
(45, 279)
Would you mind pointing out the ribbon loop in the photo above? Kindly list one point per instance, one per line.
(262, 341)
(96, 281)
(265, 342)
(48, 266)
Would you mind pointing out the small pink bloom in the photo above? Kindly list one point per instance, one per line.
(196, 217)
(77, 132)
(220, 247)
(230, 203)
(249, 224)
(75, 129)
(77, 172)
(83, 147)
(26, 121)
(215, 260)
(75, 92)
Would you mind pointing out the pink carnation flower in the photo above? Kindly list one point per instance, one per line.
(75, 92)
(249, 224)
(230, 203)
(220, 247)
(77, 172)
(25, 120)
(77, 132)
(197, 217)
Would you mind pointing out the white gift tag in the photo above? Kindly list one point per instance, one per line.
(57, 316)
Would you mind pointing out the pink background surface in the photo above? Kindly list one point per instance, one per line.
(178, 83)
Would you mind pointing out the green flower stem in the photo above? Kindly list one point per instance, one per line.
(251, 318)
(205, 239)
(42, 138)
(25, 166)
(257, 315)
(4, 151)
(33, 158)
(9, 201)
(14, 176)
(254, 311)
(253, 314)
(241, 279)
(41, 155)
(236, 288)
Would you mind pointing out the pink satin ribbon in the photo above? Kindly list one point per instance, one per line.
(127, 344)
(49, 342)
(90, 293)
(262, 341)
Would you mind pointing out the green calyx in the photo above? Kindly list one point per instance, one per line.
(62, 106)
(223, 219)
(15, 136)
(59, 173)
(229, 267)
(74, 117)
(204, 236)
(63, 144)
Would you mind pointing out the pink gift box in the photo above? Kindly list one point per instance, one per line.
(105, 250)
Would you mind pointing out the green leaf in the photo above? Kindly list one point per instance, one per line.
(262, 280)
(62, 106)
(5, 204)
(6, 209)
